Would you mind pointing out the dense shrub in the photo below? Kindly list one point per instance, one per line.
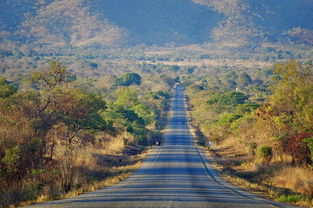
(128, 79)
(264, 151)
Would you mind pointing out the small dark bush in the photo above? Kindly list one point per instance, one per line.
(265, 151)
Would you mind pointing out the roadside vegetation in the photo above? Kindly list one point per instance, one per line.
(261, 128)
(60, 135)
(72, 127)
(101, 106)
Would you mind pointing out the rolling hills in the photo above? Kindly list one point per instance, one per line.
(81, 23)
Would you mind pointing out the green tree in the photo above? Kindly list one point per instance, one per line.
(126, 97)
(246, 108)
(6, 89)
(126, 120)
(144, 112)
(128, 79)
(227, 99)
(11, 160)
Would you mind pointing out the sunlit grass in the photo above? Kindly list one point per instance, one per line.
(296, 198)
(116, 175)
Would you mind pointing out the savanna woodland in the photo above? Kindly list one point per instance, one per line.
(85, 89)
(57, 136)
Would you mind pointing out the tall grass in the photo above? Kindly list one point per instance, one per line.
(77, 169)
(301, 180)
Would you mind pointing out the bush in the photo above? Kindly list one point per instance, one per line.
(228, 119)
(6, 88)
(228, 99)
(128, 79)
(252, 146)
(265, 151)
(246, 108)
(293, 198)
(309, 143)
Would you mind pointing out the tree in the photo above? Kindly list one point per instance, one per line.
(173, 68)
(229, 81)
(144, 112)
(62, 103)
(128, 79)
(244, 80)
(168, 81)
(79, 110)
(126, 120)
(126, 97)
(6, 89)
(246, 108)
(228, 99)
(54, 76)
(289, 111)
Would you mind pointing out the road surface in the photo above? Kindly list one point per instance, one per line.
(175, 174)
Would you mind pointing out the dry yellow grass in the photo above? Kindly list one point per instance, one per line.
(281, 186)
(301, 180)
(275, 179)
(124, 172)
(116, 174)
(269, 191)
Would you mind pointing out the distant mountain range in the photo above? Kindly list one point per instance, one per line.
(247, 21)
(107, 23)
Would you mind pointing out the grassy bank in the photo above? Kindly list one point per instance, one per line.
(113, 169)
(264, 178)
(261, 179)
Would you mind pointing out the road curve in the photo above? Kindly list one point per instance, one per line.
(175, 174)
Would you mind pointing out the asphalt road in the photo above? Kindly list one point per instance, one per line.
(175, 174)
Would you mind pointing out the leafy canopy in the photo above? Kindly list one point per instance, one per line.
(6, 89)
(228, 99)
(128, 79)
